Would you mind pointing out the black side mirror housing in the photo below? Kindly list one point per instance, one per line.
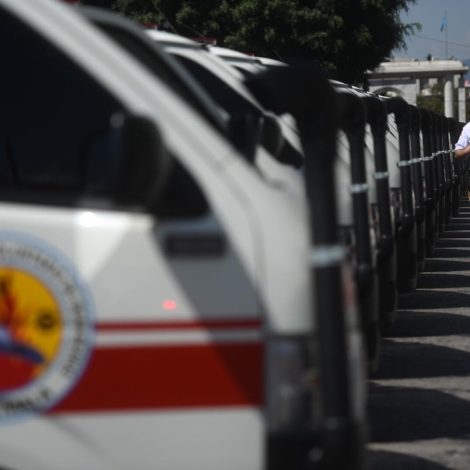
(245, 132)
(271, 135)
(143, 162)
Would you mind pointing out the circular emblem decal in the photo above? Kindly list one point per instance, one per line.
(45, 326)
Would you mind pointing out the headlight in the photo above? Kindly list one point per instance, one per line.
(425, 189)
(374, 223)
(293, 386)
(355, 346)
(357, 372)
(397, 204)
(347, 239)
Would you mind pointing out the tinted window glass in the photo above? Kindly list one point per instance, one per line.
(54, 118)
(223, 94)
(163, 69)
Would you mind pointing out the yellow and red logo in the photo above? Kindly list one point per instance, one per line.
(30, 328)
(45, 326)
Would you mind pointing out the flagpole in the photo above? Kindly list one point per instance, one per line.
(447, 55)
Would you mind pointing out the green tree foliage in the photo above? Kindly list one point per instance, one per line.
(347, 37)
(434, 101)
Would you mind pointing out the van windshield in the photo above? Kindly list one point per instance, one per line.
(224, 95)
(167, 72)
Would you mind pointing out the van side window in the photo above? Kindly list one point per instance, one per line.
(56, 142)
(226, 98)
(164, 68)
(53, 117)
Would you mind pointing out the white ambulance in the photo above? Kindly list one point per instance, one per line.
(156, 292)
(225, 84)
(403, 200)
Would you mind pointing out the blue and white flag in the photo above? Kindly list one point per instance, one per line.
(444, 22)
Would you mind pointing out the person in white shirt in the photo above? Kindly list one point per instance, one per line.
(462, 147)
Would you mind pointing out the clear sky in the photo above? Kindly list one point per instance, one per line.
(430, 40)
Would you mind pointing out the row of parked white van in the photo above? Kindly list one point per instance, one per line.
(200, 249)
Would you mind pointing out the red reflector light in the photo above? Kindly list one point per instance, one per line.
(169, 304)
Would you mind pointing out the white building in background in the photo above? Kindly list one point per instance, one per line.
(411, 78)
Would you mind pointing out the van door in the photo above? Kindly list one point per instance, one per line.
(125, 337)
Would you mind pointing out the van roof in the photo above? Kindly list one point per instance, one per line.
(164, 37)
(233, 55)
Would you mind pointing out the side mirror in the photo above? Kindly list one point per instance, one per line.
(245, 132)
(142, 162)
(274, 141)
(271, 135)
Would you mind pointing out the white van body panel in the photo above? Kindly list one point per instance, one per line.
(393, 153)
(370, 165)
(343, 179)
(91, 441)
(284, 295)
(268, 241)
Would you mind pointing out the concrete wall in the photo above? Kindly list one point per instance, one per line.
(406, 88)
(408, 78)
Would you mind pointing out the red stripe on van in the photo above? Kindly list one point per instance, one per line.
(243, 323)
(169, 377)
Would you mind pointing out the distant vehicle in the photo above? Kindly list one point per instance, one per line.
(168, 286)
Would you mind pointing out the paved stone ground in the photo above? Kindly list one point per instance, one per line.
(419, 401)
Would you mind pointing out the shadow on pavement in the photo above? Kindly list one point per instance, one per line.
(452, 252)
(402, 414)
(453, 243)
(458, 224)
(384, 460)
(400, 360)
(428, 299)
(455, 234)
(420, 324)
(445, 265)
(442, 280)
